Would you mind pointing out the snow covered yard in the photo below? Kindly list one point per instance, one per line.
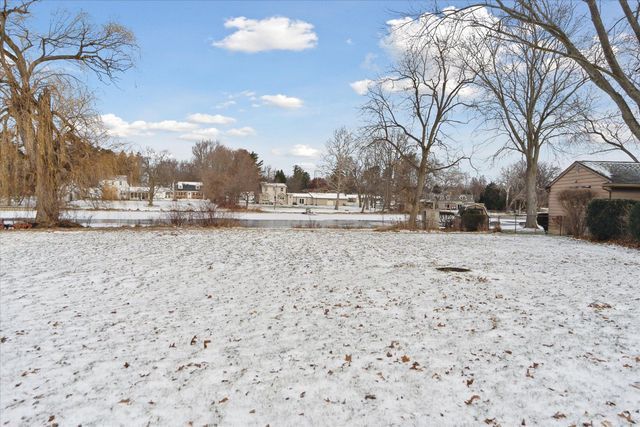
(316, 327)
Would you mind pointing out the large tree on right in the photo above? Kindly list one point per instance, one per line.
(529, 96)
(605, 46)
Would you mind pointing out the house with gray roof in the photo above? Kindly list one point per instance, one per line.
(605, 179)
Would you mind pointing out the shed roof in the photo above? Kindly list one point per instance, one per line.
(616, 172)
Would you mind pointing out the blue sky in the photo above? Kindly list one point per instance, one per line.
(282, 101)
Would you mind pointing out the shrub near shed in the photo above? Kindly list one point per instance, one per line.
(634, 222)
(607, 218)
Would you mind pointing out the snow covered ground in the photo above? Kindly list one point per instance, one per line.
(316, 327)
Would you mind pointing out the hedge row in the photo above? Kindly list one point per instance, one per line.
(634, 221)
(613, 219)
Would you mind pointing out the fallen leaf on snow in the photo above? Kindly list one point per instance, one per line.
(558, 415)
(405, 358)
(627, 416)
(472, 399)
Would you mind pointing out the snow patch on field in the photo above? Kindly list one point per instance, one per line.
(255, 327)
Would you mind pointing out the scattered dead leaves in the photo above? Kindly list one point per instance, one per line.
(370, 397)
(206, 342)
(347, 358)
(600, 305)
(405, 358)
(558, 415)
(226, 399)
(194, 340)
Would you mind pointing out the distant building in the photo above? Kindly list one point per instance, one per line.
(446, 201)
(188, 190)
(607, 180)
(142, 193)
(118, 185)
(273, 193)
(321, 199)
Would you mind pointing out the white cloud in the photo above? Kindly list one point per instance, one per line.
(243, 131)
(275, 33)
(403, 32)
(225, 104)
(209, 119)
(302, 150)
(116, 126)
(282, 101)
(349, 41)
(361, 86)
(200, 134)
(369, 62)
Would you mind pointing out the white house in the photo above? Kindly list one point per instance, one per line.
(273, 193)
(118, 184)
(322, 199)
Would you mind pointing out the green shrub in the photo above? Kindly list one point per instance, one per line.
(607, 218)
(634, 222)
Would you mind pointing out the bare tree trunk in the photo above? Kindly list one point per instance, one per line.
(151, 193)
(422, 177)
(47, 161)
(531, 194)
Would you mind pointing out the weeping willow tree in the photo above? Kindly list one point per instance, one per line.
(46, 114)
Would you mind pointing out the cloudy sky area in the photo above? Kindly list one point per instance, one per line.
(276, 78)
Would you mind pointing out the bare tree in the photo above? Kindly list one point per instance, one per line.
(608, 52)
(338, 163)
(156, 167)
(530, 95)
(33, 78)
(608, 132)
(514, 178)
(230, 175)
(417, 101)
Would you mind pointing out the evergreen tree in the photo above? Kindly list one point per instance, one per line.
(299, 180)
(280, 177)
(493, 197)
